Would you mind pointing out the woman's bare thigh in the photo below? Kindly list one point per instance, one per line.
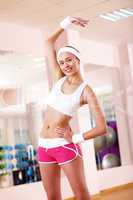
(50, 174)
(74, 171)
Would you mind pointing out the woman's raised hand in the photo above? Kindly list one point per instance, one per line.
(79, 21)
(73, 20)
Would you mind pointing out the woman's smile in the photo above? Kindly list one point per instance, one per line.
(68, 69)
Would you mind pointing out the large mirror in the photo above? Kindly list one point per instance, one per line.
(107, 150)
(23, 88)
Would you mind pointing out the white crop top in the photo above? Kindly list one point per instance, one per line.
(65, 103)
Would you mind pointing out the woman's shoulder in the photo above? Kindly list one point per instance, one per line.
(88, 88)
(88, 94)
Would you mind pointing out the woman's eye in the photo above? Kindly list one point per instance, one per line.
(61, 63)
(69, 60)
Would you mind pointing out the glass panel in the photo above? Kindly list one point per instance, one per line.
(18, 162)
(107, 146)
(18, 125)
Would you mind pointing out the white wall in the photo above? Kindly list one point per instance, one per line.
(112, 177)
(130, 94)
(20, 39)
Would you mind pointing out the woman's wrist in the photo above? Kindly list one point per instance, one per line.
(65, 23)
(78, 138)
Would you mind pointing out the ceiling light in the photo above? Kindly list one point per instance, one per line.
(127, 11)
(120, 13)
(113, 16)
(104, 16)
(117, 14)
(116, 17)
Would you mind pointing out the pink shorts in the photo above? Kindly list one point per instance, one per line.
(60, 155)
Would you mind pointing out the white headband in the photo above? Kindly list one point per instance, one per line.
(69, 50)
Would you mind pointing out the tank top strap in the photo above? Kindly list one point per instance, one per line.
(80, 90)
(59, 82)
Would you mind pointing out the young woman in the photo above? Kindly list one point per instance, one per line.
(58, 145)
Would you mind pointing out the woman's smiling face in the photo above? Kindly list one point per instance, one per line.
(69, 63)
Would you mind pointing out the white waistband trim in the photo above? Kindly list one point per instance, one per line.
(52, 142)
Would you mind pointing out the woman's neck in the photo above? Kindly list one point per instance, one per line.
(74, 79)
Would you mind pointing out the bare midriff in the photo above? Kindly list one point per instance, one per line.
(52, 120)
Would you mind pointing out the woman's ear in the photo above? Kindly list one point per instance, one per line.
(78, 61)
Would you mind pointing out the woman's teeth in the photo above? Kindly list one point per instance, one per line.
(68, 70)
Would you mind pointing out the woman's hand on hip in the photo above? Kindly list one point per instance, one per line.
(64, 133)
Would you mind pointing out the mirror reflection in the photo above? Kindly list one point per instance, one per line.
(107, 151)
(107, 146)
(19, 97)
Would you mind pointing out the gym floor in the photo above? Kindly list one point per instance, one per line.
(125, 193)
(121, 193)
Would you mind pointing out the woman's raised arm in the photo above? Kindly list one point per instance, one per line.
(49, 43)
(50, 53)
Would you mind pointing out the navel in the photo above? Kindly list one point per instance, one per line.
(48, 127)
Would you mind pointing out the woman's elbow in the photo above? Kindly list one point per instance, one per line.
(102, 129)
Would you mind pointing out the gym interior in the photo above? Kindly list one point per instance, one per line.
(107, 49)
